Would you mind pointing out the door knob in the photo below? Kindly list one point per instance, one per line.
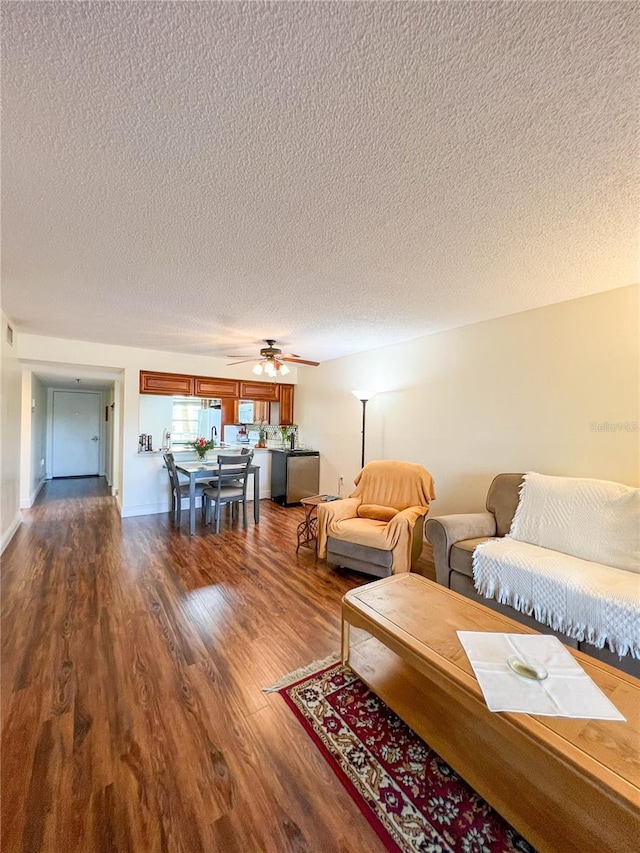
(95, 438)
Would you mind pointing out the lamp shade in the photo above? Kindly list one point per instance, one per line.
(361, 394)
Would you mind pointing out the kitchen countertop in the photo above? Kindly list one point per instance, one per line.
(181, 451)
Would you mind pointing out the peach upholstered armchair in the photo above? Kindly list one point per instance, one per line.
(378, 529)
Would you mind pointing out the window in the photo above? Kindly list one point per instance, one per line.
(184, 422)
(193, 417)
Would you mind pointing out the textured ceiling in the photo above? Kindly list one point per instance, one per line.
(198, 176)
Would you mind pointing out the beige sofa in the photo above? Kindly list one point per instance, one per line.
(455, 538)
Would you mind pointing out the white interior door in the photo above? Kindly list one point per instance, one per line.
(76, 434)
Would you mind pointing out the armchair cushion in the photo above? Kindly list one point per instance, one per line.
(378, 513)
(394, 484)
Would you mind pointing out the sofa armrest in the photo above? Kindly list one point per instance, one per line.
(445, 530)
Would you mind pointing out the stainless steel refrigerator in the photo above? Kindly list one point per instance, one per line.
(295, 474)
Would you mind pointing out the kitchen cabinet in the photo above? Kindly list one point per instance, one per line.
(228, 391)
(211, 386)
(166, 383)
(229, 411)
(259, 391)
(285, 398)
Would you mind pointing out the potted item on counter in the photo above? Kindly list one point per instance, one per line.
(288, 436)
(285, 432)
(262, 435)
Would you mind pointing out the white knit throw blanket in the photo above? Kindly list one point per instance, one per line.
(582, 598)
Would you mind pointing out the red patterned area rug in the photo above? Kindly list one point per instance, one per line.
(409, 795)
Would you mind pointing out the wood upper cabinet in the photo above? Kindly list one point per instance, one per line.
(229, 414)
(229, 391)
(213, 387)
(285, 395)
(259, 391)
(165, 383)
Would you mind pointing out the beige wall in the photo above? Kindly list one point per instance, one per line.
(514, 394)
(10, 396)
(553, 390)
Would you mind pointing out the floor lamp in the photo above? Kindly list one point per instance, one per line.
(363, 396)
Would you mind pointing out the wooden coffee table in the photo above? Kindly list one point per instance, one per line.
(564, 784)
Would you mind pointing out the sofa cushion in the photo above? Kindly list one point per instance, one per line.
(594, 520)
(461, 557)
(582, 599)
(377, 512)
(502, 500)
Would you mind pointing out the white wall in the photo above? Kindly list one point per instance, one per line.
(518, 393)
(34, 438)
(10, 396)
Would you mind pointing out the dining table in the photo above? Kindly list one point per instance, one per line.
(208, 470)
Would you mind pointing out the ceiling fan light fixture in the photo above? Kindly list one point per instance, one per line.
(270, 369)
(257, 368)
(283, 369)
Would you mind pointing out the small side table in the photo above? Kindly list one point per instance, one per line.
(308, 529)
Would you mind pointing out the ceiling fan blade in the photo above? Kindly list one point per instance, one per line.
(288, 355)
(242, 361)
(299, 360)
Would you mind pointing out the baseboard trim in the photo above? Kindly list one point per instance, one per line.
(27, 503)
(143, 509)
(10, 531)
(156, 509)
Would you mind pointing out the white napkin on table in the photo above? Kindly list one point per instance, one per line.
(566, 692)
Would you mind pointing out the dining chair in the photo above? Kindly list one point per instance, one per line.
(244, 452)
(230, 487)
(179, 488)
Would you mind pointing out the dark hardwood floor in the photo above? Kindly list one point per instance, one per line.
(133, 662)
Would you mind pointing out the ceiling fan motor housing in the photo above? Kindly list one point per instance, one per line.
(275, 356)
(270, 351)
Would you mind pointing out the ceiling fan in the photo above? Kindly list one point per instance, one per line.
(272, 360)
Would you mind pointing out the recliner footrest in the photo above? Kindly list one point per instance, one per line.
(359, 557)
